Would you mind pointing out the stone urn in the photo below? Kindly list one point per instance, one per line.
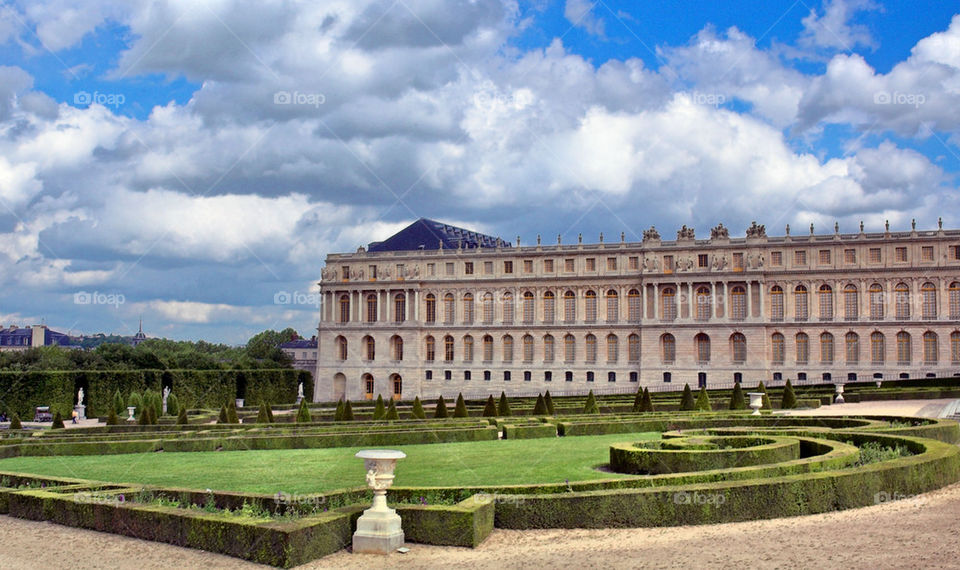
(130, 410)
(756, 402)
(878, 383)
(839, 398)
(378, 528)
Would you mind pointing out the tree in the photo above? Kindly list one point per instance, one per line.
(687, 403)
(265, 345)
(338, 415)
(379, 411)
(460, 411)
(232, 413)
(540, 408)
(57, 421)
(269, 413)
(646, 404)
(347, 412)
(503, 409)
(118, 404)
(15, 421)
(182, 417)
(262, 414)
(392, 413)
(590, 406)
(418, 412)
(173, 405)
(112, 417)
(737, 401)
(703, 401)
(789, 398)
(441, 409)
(490, 410)
(549, 402)
(222, 418)
(766, 399)
(303, 414)
(638, 401)
(135, 401)
(144, 418)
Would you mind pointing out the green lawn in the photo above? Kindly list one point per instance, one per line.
(506, 462)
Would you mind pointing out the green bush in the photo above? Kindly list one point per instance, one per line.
(590, 406)
(441, 409)
(490, 410)
(637, 401)
(338, 415)
(460, 411)
(347, 411)
(503, 409)
(232, 413)
(418, 412)
(269, 413)
(303, 414)
(647, 403)
(182, 416)
(173, 405)
(766, 399)
(737, 401)
(15, 421)
(262, 414)
(118, 404)
(687, 403)
(223, 419)
(549, 402)
(392, 413)
(379, 410)
(703, 401)
(136, 401)
(112, 417)
(789, 400)
(540, 408)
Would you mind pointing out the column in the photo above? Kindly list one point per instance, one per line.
(763, 292)
(749, 312)
(691, 300)
(413, 304)
(656, 299)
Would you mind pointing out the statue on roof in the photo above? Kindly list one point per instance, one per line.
(685, 233)
(719, 232)
(652, 233)
(756, 231)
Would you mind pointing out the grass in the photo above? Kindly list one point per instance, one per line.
(503, 462)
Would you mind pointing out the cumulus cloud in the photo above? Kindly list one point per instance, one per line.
(833, 29)
(580, 13)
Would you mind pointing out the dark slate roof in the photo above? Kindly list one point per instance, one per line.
(428, 234)
(23, 336)
(300, 343)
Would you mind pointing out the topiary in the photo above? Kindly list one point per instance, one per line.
(590, 406)
(144, 418)
(379, 411)
(441, 409)
(503, 408)
(392, 413)
(418, 412)
(638, 401)
(460, 411)
(549, 402)
(232, 413)
(646, 404)
(57, 421)
(490, 410)
(222, 418)
(135, 401)
(687, 403)
(347, 411)
(766, 399)
(789, 400)
(303, 414)
(737, 401)
(262, 414)
(703, 401)
(173, 405)
(540, 408)
(15, 421)
(269, 413)
(112, 417)
(338, 415)
(182, 417)
(118, 404)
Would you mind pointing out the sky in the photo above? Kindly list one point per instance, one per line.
(193, 162)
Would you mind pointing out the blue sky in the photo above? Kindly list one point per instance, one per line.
(194, 162)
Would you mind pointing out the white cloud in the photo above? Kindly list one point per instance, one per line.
(581, 14)
(833, 29)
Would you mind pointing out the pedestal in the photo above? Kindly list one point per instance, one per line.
(839, 399)
(378, 528)
(81, 411)
(239, 402)
(756, 402)
(130, 410)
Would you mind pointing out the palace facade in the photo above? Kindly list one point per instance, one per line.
(437, 309)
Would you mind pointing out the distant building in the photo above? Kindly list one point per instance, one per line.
(22, 338)
(302, 352)
(139, 337)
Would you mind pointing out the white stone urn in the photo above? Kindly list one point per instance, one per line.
(130, 410)
(879, 382)
(839, 398)
(756, 402)
(378, 528)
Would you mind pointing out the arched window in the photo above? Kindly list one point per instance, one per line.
(930, 350)
(876, 301)
(613, 348)
(591, 343)
(448, 348)
(508, 308)
(371, 308)
(368, 386)
(468, 348)
(591, 297)
(449, 309)
(399, 308)
(633, 306)
(548, 352)
(527, 348)
(549, 307)
(396, 347)
(738, 347)
(779, 351)
(341, 348)
(800, 304)
(569, 307)
(955, 300)
(668, 298)
(738, 303)
(668, 348)
(826, 348)
(488, 308)
(955, 347)
(431, 312)
(803, 348)
(703, 347)
(704, 304)
(487, 348)
(928, 294)
(826, 302)
(397, 387)
(613, 307)
(344, 308)
(508, 348)
(853, 348)
(369, 348)
(878, 348)
(527, 307)
(903, 348)
(902, 298)
(569, 348)
(430, 346)
(468, 309)
(776, 303)
(633, 347)
(851, 303)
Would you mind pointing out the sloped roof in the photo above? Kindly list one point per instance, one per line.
(300, 343)
(429, 234)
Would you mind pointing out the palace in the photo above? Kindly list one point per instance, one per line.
(437, 309)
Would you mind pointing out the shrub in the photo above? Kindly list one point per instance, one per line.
(647, 403)
(347, 411)
(112, 417)
(737, 401)
(441, 410)
(379, 411)
(392, 413)
(687, 403)
(590, 406)
(57, 421)
(490, 410)
(460, 411)
(503, 409)
(222, 419)
(338, 415)
(789, 400)
(549, 402)
(637, 401)
(15, 421)
(703, 401)
(418, 409)
(766, 399)
(136, 401)
(303, 414)
(118, 403)
(540, 408)
(262, 414)
(173, 405)
(182, 416)
(232, 413)
(269, 413)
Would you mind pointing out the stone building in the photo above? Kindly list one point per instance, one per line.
(302, 353)
(437, 309)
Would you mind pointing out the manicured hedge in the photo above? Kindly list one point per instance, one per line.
(529, 431)
(749, 450)
(467, 523)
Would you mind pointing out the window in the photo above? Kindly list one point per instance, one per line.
(876, 301)
(431, 312)
(613, 306)
(669, 304)
(877, 348)
(738, 347)
(803, 348)
(431, 269)
(486, 375)
(955, 347)
(568, 266)
(779, 351)
(344, 308)
(633, 347)
(776, 258)
(508, 267)
(634, 263)
(930, 355)
(955, 252)
(589, 376)
(738, 261)
(591, 307)
(900, 254)
(852, 341)
(667, 377)
(903, 347)
(591, 343)
(738, 303)
(368, 386)
(397, 387)
(926, 253)
(506, 375)
(428, 374)
(874, 255)
(568, 376)
(466, 375)
(528, 307)
(633, 306)
(549, 307)
(901, 295)
(928, 293)
(703, 260)
(569, 307)
(487, 348)
(396, 348)
(611, 264)
(508, 308)
(548, 376)
(527, 376)
(341, 348)
(824, 256)
(826, 348)
(346, 272)
(548, 352)
(371, 308)
(851, 303)
(613, 348)
(448, 348)
(702, 342)
(369, 348)
(508, 348)
(776, 303)
(955, 300)
(527, 348)
(799, 257)
(468, 308)
(399, 308)
(487, 308)
(826, 303)
(488, 268)
(668, 348)
(528, 266)
(548, 266)
(704, 304)
(611, 376)
(801, 309)
(569, 348)
(634, 377)
(430, 346)
(591, 264)
(849, 256)
(468, 348)
(668, 263)
(450, 268)
(449, 309)
(468, 268)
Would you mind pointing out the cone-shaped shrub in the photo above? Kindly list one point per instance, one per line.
(119, 405)
(766, 399)
(112, 417)
(737, 401)
(703, 401)
(15, 421)
(461, 410)
(646, 404)
(392, 413)
(57, 421)
(418, 409)
(789, 398)
(182, 416)
(222, 418)
(490, 410)
(269, 413)
(144, 418)
(590, 406)
(338, 415)
(232, 413)
(687, 403)
(347, 412)
(379, 410)
(549, 402)
(540, 408)
(262, 414)
(503, 408)
(303, 414)
(441, 409)
(637, 401)
(136, 401)
(173, 405)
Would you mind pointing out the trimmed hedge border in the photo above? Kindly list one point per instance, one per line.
(690, 454)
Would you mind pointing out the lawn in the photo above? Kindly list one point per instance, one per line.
(505, 462)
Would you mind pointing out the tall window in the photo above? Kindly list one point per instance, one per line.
(613, 307)
(928, 293)
(487, 348)
(549, 307)
(468, 348)
(487, 308)
(448, 348)
(668, 299)
(801, 307)
(569, 307)
(527, 348)
(569, 348)
(633, 347)
(704, 304)
(591, 306)
(668, 348)
(803, 348)
(431, 312)
(703, 347)
(903, 347)
(548, 354)
(396, 347)
(955, 347)
(902, 297)
(371, 308)
(449, 308)
(876, 301)
(878, 349)
(468, 309)
(955, 300)
(430, 348)
(633, 306)
(399, 308)
(851, 303)
(779, 351)
(508, 348)
(369, 348)
(826, 348)
(527, 307)
(930, 351)
(853, 348)
(738, 347)
(345, 308)
(341, 348)
(508, 308)
(738, 303)
(591, 343)
(826, 303)
(776, 303)
(613, 348)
